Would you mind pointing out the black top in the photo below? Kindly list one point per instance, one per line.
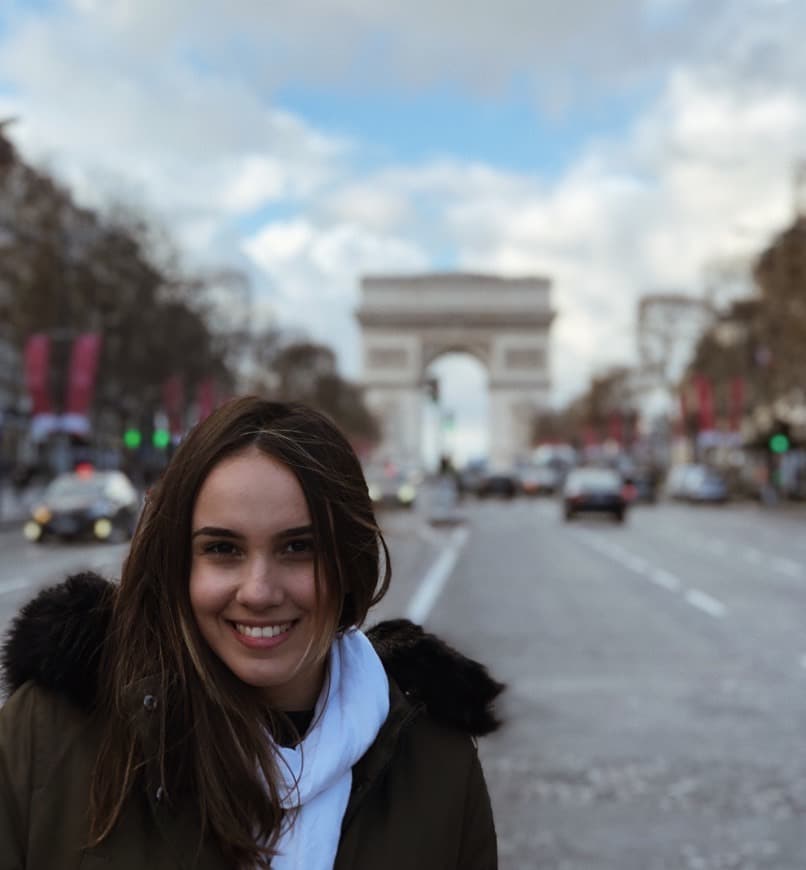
(300, 721)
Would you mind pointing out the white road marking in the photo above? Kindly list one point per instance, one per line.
(703, 601)
(666, 579)
(787, 566)
(14, 585)
(434, 581)
(754, 556)
(659, 576)
(636, 563)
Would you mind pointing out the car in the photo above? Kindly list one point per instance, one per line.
(85, 504)
(594, 490)
(675, 484)
(540, 480)
(705, 485)
(391, 486)
(500, 483)
(696, 483)
(471, 477)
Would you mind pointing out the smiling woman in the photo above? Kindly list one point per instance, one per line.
(221, 701)
(252, 578)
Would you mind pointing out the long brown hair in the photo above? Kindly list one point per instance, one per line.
(211, 747)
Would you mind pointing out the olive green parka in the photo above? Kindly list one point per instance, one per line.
(418, 795)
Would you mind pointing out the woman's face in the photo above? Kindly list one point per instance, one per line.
(252, 587)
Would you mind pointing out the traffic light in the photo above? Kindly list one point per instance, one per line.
(161, 438)
(779, 442)
(132, 438)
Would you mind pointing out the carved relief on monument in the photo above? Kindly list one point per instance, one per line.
(525, 358)
(387, 357)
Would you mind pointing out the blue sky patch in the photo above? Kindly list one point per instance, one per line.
(509, 133)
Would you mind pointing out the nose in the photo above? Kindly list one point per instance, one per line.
(262, 585)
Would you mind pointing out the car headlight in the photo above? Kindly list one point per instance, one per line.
(102, 529)
(42, 515)
(32, 530)
(406, 493)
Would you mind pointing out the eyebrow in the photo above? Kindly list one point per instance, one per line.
(214, 532)
(218, 532)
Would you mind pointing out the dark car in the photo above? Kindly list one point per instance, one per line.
(499, 484)
(594, 490)
(89, 504)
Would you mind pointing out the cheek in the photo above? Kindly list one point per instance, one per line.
(209, 592)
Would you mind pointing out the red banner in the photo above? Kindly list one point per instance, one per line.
(206, 398)
(83, 369)
(37, 364)
(705, 402)
(172, 401)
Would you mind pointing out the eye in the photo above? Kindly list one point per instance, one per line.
(299, 547)
(220, 548)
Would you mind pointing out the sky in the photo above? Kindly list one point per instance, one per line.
(618, 147)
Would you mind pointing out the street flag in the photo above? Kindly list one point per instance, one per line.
(81, 383)
(36, 357)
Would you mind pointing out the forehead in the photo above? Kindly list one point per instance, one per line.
(251, 489)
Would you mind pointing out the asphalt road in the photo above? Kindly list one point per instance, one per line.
(656, 709)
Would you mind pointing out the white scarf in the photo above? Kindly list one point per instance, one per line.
(317, 773)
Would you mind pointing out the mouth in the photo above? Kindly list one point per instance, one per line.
(262, 636)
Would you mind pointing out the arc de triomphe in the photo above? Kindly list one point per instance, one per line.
(408, 322)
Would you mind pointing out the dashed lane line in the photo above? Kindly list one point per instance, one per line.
(434, 581)
(753, 556)
(665, 579)
(659, 576)
(787, 566)
(706, 603)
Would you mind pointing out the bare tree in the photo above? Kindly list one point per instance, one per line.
(669, 326)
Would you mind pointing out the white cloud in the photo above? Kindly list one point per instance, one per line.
(278, 243)
(565, 49)
(315, 271)
(704, 174)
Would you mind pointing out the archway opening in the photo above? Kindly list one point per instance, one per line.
(456, 420)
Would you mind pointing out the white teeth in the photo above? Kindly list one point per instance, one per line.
(262, 631)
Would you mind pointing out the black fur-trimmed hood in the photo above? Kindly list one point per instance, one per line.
(57, 638)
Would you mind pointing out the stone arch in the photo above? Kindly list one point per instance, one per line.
(408, 322)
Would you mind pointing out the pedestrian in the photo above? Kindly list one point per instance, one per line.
(219, 707)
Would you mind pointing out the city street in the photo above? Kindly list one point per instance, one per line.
(656, 673)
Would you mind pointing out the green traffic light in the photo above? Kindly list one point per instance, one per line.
(132, 438)
(161, 438)
(779, 443)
